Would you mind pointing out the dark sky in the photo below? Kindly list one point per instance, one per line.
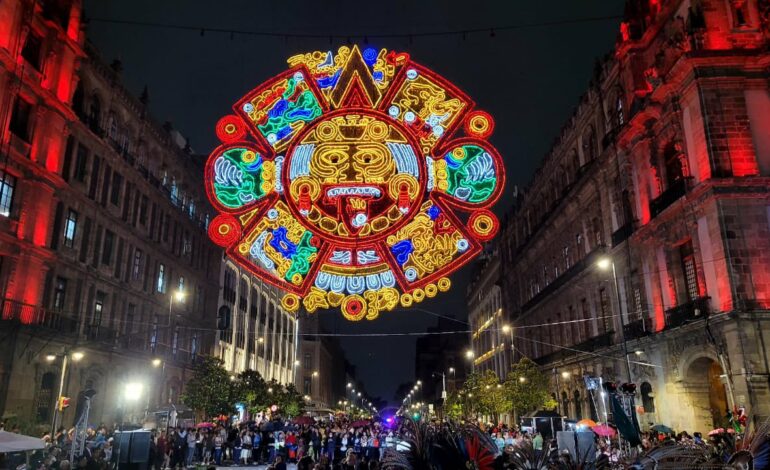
(529, 79)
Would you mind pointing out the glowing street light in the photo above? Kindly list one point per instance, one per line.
(50, 357)
(133, 391)
(469, 354)
(76, 356)
(156, 362)
(604, 263)
(506, 328)
(350, 384)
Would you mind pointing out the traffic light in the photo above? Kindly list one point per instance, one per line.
(416, 416)
(64, 402)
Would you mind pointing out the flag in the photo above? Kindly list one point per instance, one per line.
(623, 422)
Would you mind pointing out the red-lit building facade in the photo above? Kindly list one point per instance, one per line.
(664, 170)
(104, 256)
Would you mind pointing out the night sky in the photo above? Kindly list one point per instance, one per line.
(529, 79)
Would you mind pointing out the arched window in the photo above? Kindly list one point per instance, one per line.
(589, 144)
(676, 164)
(578, 405)
(564, 403)
(648, 400)
(78, 102)
(95, 113)
(45, 396)
(113, 129)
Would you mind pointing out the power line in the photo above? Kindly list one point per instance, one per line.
(491, 30)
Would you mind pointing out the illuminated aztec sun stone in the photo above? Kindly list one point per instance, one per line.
(358, 180)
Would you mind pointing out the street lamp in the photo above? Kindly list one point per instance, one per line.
(77, 356)
(469, 354)
(315, 373)
(350, 384)
(133, 391)
(606, 263)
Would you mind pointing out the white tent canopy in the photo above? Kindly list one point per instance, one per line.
(10, 442)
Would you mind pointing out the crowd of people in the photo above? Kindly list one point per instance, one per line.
(339, 443)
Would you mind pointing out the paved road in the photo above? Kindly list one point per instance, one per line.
(290, 466)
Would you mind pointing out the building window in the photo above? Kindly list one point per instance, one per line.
(175, 341)
(161, 284)
(619, 112)
(109, 241)
(32, 49)
(70, 228)
(81, 162)
(117, 186)
(180, 287)
(19, 125)
(308, 361)
(45, 397)
(98, 308)
(307, 386)
(7, 185)
(136, 271)
(193, 346)
(604, 304)
(688, 268)
(59, 293)
(154, 335)
(648, 401)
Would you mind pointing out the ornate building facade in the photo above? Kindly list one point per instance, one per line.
(261, 335)
(490, 332)
(641, 246)
(105, 266)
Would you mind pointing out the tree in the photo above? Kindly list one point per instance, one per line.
(454, 407)
(486, 394)
(210, 390)
(251, 390)
(290, 401)
(527, 388)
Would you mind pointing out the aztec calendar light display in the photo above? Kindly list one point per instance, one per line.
(358, 180)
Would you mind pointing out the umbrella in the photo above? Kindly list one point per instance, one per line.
(359, 424)
(662, 428)
(10, 442)
(589, 423)
(603, 430)
(716, 431)
(205, 425)
(304, 420)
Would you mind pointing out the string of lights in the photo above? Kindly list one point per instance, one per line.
(491, 31)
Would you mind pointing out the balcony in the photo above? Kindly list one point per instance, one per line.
(676, 190)
(620, 235)
(689, 312)
(638, 328)
(597, 342)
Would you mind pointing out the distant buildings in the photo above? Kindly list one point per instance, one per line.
(659, 185)
(260, 334)
(104, 257)
(439, 362)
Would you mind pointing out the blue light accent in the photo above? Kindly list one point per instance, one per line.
(282, 244)
(278, 109)
(402, 250)
(330, 81)
(370, 56)
(283, 132)
(451, 162)
(433, 212)
(378, 76)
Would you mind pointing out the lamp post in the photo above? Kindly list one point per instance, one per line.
(76, 357)
(606, 263)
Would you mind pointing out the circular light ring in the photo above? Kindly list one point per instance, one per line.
(230, 129)
(431, 290)
(484, 225)
(224, 230)
(444, 284)
(354, 308)
(290, 302)
(479, 124)
(406, 299)
(418, 295)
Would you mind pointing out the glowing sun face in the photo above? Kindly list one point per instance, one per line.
(356, 180)
(353, 177)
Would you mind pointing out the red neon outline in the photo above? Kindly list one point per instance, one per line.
(439, 153)
(479, 135)
(495, 224)
(267, 276)
(208, 177)
(308, 78)
(351, 242)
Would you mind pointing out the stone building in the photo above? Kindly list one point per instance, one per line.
(662, 177)
(104, 258)
(490, 330)
(261, 336)
(322, 371)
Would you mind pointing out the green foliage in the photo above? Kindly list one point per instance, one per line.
(251, 390)
(527, 388)
(210, 390)
(455, 407)
(290, 401)
(485, 394)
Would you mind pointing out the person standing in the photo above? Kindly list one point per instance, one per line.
(191, 442)
(537, 444)
(219, 442)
